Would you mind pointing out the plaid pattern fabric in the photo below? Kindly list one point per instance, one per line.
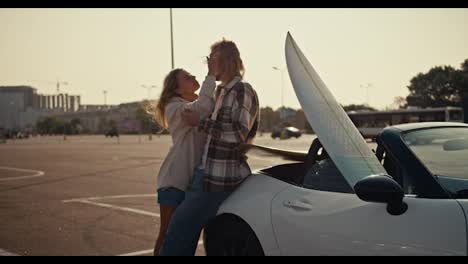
(236, 123)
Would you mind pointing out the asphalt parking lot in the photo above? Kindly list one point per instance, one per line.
(89, 195)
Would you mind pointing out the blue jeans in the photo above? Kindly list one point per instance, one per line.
(191, 216)
(170, 196)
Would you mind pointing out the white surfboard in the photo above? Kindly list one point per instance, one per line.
(335, 130)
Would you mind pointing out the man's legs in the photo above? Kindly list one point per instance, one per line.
(189, 219)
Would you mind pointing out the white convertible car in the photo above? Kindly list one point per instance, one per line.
(407, 197)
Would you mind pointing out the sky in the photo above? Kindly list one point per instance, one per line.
(363, 55)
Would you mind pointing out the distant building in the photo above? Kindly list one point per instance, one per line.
(22, 106)
(14, 100)
(96, 119)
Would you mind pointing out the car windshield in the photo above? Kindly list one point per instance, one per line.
(444, 151)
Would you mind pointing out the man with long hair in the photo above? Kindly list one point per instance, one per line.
(233, 123)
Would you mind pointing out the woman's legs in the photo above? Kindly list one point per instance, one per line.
(169, 199)
(166, 213)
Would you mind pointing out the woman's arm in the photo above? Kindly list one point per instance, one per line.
(205, 103)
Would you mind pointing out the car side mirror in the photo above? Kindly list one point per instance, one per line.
(382, 189)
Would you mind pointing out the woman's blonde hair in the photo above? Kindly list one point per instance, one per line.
(229, 58)
(158, 108)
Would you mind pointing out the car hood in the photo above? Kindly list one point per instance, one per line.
(335, 130)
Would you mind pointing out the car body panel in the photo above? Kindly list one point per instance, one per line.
(310, 222)
(252, 203)
(464, 204)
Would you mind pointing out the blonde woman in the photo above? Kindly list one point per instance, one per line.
(176, 171)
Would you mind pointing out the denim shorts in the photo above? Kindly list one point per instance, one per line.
(170, 196)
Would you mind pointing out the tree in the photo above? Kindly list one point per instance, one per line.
(49, 126)
(436, 88)
(67, 129)
(358, 107)
(302, 122)
(147, 122)
(400, 102)
(441, 86)
(75, 122)
(463, 86)
(76, 126)
(268, 119)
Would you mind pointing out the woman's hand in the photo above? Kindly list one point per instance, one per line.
(191, 118)
(211, 66)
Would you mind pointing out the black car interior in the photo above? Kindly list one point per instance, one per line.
(318, 171)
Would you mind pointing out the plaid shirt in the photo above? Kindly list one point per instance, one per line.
(236, 123)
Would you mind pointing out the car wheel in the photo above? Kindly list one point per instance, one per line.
(228, 235)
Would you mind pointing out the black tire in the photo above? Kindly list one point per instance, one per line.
(228, 235)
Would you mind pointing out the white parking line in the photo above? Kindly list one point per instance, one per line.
(35, 174)
(5, 253)
(138, 253)
(116, 208)
(111, 197)
(146, 252)
(92, 201)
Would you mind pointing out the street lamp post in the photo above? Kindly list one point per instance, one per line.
(367, 86)
(105, 97)
(282, 88)
(172, 40)
(14, 120)
(149, 87)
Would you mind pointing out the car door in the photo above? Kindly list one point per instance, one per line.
(311, 222)
(464, 204)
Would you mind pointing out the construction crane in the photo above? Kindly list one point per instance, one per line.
(57, 83)
(105, 96)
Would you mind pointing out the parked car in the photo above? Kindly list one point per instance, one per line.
(308, 208)
(286, 133)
